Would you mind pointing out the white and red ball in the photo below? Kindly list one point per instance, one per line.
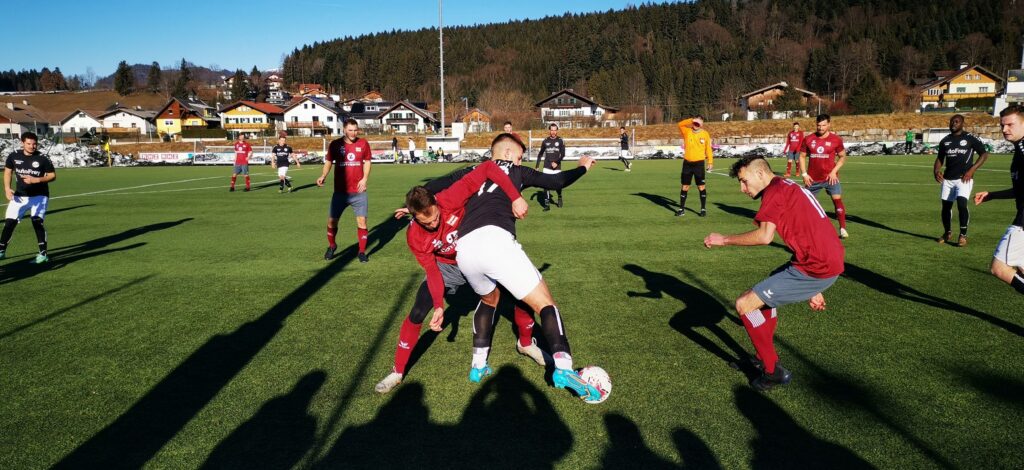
(598, 378)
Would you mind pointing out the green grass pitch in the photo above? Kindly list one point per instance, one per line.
(179, 325)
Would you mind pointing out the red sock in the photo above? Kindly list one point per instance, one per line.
(760, 326)
(361, 236)
(840, 212)
(789, 164)
(331, 233)
(407, 338)
(233, 178)
(524, 323)
(246, 181)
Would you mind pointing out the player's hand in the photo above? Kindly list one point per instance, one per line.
(437, 319)
(9, 193)
(817, 303)
(554, 165)
(587, 162)
(520, 207)
(320, 181)
(402, 212)
(833, 178)
(938, 177)
(968, 176)
(807, 180)
(714, 239)
(978, 198)
(711, 167)
(361, 186)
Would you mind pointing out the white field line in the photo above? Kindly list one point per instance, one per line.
(886, 183)
(904, 164)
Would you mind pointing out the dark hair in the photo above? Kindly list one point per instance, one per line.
(351, 122)
(823, 117)
(796, 123)
(1013, 109)
(418, 199)
(699, 117)
(507, 123)
(622, 128)
(553, 125)
(506, 136)
(29, 136)
(744, 162)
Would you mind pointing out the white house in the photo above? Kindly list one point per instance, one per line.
(16, 118)
(80, 121)
(404, 117)
(569, 109)
(313, 116)
(124, 119)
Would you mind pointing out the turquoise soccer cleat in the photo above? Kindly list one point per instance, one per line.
(40, 259)
(477, 374)
(569, 379)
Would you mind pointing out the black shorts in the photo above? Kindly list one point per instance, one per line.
(691, 171)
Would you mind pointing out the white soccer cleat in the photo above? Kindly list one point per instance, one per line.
(843, 233)
(534, 352)
(388, 383)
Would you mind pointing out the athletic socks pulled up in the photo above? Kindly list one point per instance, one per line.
(332, 233)
(947, 216)
(247, 184)
(483, 325)
(524, 323)
(37, 224)
(703, 199)
(408, 335)
(965, 215)
(554, 330)
(760, 325)
(682, 200)
(361, 234)
(5, 237)
(233, 178)
(840, 212)
(1017, 283)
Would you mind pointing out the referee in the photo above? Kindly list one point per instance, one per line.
(697, 142)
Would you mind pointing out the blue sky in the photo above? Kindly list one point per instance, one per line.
(233, 34)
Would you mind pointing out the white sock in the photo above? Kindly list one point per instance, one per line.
(480, 357)
(563, 361)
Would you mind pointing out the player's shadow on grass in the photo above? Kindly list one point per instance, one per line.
(870, 223)
(744, 212)
(657, 199)
(782, 443)
(63, 256)
(141, 431)
(277, 436)
(994, 384)
(702, 311)
(880, 283)
(305, 186)
(63, 209)
(626, 448)
(508, 423)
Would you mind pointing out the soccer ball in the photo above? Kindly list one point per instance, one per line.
(597, 377)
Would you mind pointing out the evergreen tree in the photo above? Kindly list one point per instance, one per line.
(869, 96)
(124, 79)
(239, 87)
(154, 79)
(183, 84)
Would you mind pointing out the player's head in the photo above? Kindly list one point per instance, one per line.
(553, 130)
(1011, 120)
(351, 129)
(507, 127)
(754, 175)
(29, 142)
(824, 123)
(507, 147)
(698, 121)
(622, 130)
(281, 140)
(423, 207)
(956, 123)
(796, 126)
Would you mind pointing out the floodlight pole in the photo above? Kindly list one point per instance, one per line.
(440, 36)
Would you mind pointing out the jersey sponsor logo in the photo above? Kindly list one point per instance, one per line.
(947, 143)
(19, 162)
(35, 164)
(350, 157)
(820, 149)
(768, 294)
(403, 344)
(828, 143)
(453, 220)
(963, 142)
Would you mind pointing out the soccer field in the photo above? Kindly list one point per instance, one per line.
(179, 325)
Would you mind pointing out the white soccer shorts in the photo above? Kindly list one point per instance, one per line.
(35, 205)
(489, 256)
(1011, 247)
(952, 189)
(625, 154)
(282, 171)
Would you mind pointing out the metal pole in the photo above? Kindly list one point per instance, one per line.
(440, 36)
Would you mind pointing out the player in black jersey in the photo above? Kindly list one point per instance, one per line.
(1008, 260)
(957, 151)
(552, 151)
(33, 172)
(281, 160)
(624, 148)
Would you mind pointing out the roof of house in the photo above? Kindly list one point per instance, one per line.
(782, 84)
(466, 114)
(326, 103)
(142, 113)
(570, 92)
(265, 108)
(427, 115)
(92, 114)
(944, 76)
(23, 113)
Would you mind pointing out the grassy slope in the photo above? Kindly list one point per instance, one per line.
(203, 326)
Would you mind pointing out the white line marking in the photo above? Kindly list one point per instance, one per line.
(914, 166)
(884, 183)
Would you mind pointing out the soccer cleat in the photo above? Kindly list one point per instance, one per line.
(363, 258)
(546, 207)
(703, 213)
(329, 254)
(289, 189)
(534, 352)
(945, 238)
(766, 381)
(680, 213)
(787, 175)
(843, 233)
(476, 374)
(40, 259)
(962, 242)
(280, 191)
(246, 189)
(559, 203)
(570, 380)
(231, 189)
(3, 254)
(387, 383)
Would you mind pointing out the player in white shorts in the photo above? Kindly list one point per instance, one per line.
(1008, 259)
(281, 159)
(31, 194)
(957, 151)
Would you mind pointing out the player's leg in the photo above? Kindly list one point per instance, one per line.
(760, 322)
(234, 176)
(338, 203)
(408, 336)
(948, 198)
(963, 193)
(836, 192)
(527, 344)
(248, 182)
(789, 164)
(360, 205)
(1009, 259)
(15, 209)
(483, 334)
(37, 209)
(702, 187)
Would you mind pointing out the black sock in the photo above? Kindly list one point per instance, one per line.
(5, 238)
(281, 184)
(547, 197)
(682, 200)
(37, 224)
(965, 215)
(554, 330)
(703, 198)
(288, 182)
(947, 216)
(1017, 283)
(483, 325)
(559, 191)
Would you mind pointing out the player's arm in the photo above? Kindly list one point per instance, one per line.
(49, 174)
(803, 165)
(762, 235)
(685, 127)
(8, 192)
(435, 186)
(294, 156)
(709, 154)
(833, 176)
(366, 176)
(937, 167)
(476, 180)
(540, 156)
(328, 163)
(561, 153)
(536, 179)
(986, 196)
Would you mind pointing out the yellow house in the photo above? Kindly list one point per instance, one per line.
(949, 86)
(178, 115)
(250, 117)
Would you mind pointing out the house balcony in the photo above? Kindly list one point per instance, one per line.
(309, 125)
(247, 126)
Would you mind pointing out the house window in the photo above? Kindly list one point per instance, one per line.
(316, 118)
(295, 119)
(983, 89)
(116, 125)
(304, 105)
(133, 125)
(81, 115)
(330, 118)
(168, 123)
(961, 89)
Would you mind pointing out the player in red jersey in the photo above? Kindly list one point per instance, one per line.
(242, 153)
(827, 155)
(431, 238)
(352, 156)
(817, 260)
(792, 149)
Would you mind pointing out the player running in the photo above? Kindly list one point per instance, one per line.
(957, 151)
(1008, 260)
(552, 151)
(624, 148)
(282, 159)
(792, 149)
(242, 153)
(352, 156)
(697, 142)
(822, 171)
(817, 260)
(33, 172)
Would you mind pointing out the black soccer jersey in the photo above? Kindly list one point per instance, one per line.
(1017, 176)
(552, 151)
(957, 152)
(35, 165)
(624, 141)
(282, 155)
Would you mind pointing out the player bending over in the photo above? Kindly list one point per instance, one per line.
(1008, 260)
(957, 151)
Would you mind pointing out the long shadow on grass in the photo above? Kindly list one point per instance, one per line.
(782, 443)
(995, 384)
(744, 212)
(461, 303)
(660, 200)
(64, 256)
(142, 430)
(508, 423)
(58, 211)
(69, 308)
(870, 223)
(627, 449)
(880, 283)
(305, 186)
(277, 436)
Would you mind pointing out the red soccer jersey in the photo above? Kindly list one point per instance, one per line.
(821, 154)
(804, 228)
(242, 151)
(431, 247)
(348, 160)
(793, 140)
